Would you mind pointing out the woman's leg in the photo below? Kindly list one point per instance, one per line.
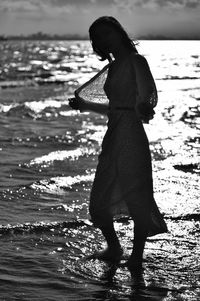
(140, 235)
(110, 235)
(141, 217)
(104, 221)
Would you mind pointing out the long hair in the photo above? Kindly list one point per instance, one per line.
(110, 21)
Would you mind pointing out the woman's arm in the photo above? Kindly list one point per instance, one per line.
(144, 78)
(84, 106)
(147, 93)
(95, 84)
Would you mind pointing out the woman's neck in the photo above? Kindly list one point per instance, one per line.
(121, 53)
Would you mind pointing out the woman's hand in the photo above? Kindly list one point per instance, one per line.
(145, 111)
(76, 104)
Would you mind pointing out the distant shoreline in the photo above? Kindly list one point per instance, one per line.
(75, 37)
(85, 40)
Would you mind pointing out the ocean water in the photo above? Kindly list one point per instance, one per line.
(48, 156)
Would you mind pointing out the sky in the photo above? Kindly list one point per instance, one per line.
(174, 18)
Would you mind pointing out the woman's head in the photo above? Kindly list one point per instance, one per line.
(105, 33)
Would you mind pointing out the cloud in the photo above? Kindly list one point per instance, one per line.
(67, 5)
(62, 3)
(124, 4)
(75, 16)
(167, 3)
(192, 4)
(36, 9)
(50, 6)
(19, 5)
(76, 3)
(155, 4)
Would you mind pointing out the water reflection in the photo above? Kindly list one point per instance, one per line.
(141, 291)
(171, 269)
(134, 288)
(48, 156)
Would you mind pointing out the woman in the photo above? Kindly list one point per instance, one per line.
(123, 179)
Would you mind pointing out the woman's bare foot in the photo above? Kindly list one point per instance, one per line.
(109, 254)
(133, 264)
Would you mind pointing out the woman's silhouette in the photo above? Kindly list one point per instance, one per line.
(123, 179)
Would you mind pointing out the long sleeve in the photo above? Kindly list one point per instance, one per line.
(146, 89)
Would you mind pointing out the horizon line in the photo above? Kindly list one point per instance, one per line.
(45, 36)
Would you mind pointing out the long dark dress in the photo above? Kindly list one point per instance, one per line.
(123, 179)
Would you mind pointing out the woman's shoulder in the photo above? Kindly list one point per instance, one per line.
(139, 63)
(138, 59)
